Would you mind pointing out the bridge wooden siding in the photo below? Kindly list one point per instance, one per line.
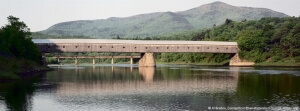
(138, 46)
(135, 48)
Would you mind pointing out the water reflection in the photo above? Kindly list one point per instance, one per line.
(269, 90)
(133, 88)
(125, 80)
(147, 73)
(18, 95)
(177, 87)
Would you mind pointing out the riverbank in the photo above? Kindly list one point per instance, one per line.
(201, 63)
(15, 69)
(263, 64)
(284, 64)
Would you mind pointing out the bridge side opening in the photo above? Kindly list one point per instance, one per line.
(194, 58)
(91, 58)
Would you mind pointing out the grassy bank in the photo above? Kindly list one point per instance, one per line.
(283, 62)
(13, 69)
(198, 63)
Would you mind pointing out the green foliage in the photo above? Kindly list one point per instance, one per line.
(272, 38)
(15, 40)
(297, 59)
(276, 58)
(251, 40)
(268, 39)
(51, 60)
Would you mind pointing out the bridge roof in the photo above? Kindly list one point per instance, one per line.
(112, 41)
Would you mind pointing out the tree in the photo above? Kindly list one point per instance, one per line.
(147, 38)
(118, 37)
(228, 21)
(15, 40)
(251, 40)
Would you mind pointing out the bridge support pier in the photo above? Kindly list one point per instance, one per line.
(94, 62)
(236, 61)
(147, 60)
(76, 61)
(131, 60)
(44, 61)
(112, 60)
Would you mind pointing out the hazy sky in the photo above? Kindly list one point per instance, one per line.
(41, 14)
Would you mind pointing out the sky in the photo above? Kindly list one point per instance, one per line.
(41, 14)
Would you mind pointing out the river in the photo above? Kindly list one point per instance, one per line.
(166, 87)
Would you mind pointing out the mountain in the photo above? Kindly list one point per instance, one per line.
(152, 24)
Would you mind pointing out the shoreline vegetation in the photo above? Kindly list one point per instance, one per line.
(19, 56)
(13, 68)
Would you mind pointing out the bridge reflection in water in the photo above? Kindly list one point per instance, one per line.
(142, 80)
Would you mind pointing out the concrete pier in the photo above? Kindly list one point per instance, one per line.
(44, 61)
(236, 61)
(76, 61)
(147, 60)
(94, 62)
(131, 60)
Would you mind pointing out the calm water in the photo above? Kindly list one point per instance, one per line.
(166, 87)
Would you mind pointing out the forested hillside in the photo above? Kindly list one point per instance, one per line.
(37, 35)
(147, 25)
(266, 40)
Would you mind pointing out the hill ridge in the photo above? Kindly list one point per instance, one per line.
(156, 23)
